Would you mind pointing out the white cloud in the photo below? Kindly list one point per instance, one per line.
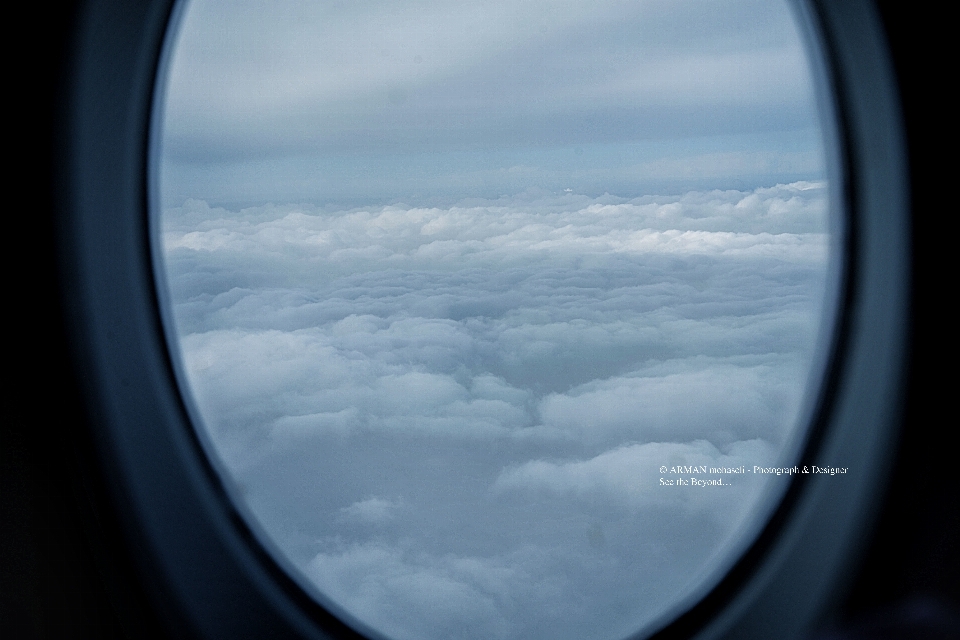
(370, 511)
(421, 596)
(721, 400)
(787, 222)
(628, 476)
(454, 418)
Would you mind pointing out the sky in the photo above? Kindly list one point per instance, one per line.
(456, 287)
(429, 102)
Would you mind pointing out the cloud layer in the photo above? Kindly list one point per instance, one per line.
(301, 75)
(454, 419)
(347, 102)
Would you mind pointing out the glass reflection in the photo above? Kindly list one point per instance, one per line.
(464, 294)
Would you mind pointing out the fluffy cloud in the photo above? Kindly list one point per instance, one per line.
(733, 400)
(413, 596)
(371, 510)
(712, 223)
(454, 417)
(628, 476)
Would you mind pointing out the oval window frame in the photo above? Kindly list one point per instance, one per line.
(203, 562)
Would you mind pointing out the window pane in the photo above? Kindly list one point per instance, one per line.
(488, 312)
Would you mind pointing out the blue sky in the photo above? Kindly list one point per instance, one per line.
(452, 282)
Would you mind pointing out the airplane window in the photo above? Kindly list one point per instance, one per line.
(497, 319)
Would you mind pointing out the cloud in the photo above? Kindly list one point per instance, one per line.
(453, 418)
(428, 101)
(370, 511)
(254, 79)
(720, 400)
(299, 251)
(627, 476)
(526, 593)
(420, 596)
